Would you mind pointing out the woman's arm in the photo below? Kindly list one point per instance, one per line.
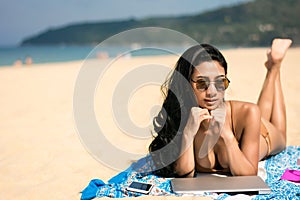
(185, 165)
(243, 160)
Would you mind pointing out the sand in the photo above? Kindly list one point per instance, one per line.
(42, 154)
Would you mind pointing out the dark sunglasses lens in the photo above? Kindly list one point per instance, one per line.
(202, 85)
(222, 84)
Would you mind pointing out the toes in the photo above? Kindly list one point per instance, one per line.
(279, 48)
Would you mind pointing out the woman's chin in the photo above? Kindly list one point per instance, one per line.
(210, 106)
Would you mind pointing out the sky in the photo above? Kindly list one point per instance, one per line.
(20, 19)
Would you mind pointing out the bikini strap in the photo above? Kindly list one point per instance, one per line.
(231, 116)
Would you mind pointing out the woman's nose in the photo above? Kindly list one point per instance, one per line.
(211, 90)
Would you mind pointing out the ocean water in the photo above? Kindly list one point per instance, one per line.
(42, 54)
(48, 54)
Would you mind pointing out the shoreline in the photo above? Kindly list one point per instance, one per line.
(30, 60)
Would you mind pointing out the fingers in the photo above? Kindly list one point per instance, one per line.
(201, 117)
(219, 114)
(193, 123)
(200, 113)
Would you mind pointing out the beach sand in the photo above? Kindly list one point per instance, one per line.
(42, 155)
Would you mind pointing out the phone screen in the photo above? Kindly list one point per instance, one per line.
(140, 187)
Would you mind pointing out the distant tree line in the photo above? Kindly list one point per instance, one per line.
(253, 23)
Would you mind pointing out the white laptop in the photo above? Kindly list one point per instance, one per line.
(220, 184)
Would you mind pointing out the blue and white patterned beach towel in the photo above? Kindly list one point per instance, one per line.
(270, 170)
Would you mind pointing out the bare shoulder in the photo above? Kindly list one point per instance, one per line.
(243, 109)
(245, 115)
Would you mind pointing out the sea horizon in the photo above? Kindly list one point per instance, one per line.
(14, 55)
(11, 55)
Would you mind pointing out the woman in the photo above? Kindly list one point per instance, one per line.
(198, 131)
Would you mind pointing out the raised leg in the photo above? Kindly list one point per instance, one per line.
(271, 99)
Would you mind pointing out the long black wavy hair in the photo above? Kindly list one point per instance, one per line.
(179, 98)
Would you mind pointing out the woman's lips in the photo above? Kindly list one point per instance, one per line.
(210, 101)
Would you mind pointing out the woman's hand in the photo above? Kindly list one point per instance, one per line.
(197, 117)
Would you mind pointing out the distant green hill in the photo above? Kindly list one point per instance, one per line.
(250, 24)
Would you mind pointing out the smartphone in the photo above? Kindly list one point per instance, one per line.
(140, 187)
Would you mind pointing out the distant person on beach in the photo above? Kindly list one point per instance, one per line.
(18, 63)
(206, 133)
(28, 60)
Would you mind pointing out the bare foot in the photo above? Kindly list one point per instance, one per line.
(277, 52)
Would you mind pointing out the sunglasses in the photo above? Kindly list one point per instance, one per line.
(203, 84)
